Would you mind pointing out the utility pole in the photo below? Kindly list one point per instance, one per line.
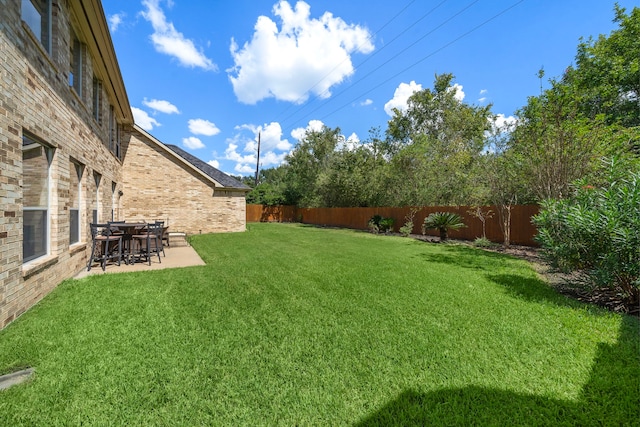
(258, 161)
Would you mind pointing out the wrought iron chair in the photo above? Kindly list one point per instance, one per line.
(104, 245)
(149, 242)
(164, 236)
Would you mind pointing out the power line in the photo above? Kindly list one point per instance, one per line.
(341, 62)
(464, 9)
(380, 50)
(425, 57)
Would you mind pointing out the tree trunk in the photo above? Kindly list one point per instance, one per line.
(443, 234)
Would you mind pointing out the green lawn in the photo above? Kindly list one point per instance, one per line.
(295, 325)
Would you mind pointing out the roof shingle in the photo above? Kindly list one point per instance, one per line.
(209, 170)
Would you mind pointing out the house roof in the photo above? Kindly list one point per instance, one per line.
(217, 177)
(215, 174)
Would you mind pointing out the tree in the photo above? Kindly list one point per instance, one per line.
(560, 146)
(307, 162)
(272, 188)
(434, 144)
(351, 178)
(607, 72)
(501, 170)
(591, 112)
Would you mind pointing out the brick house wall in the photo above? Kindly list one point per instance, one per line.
(83, 116)
(158, 184)
(36, 99)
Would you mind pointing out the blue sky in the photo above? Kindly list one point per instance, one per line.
(208, 75)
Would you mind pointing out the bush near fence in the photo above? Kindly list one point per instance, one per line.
(522, 229)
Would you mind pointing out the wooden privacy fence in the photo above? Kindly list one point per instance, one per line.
(522, 230)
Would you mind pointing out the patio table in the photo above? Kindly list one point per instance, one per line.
(128, 229)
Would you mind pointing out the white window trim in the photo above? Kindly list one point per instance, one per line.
(78, 169)
(97, 178)
(49, 153)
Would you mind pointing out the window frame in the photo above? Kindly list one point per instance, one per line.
(42, 30)
(49, 152)
(95, 217)
(97, 99)
(114, 186)
(75, 233)
(76, 63)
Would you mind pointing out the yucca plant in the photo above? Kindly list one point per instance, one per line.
(443, 221)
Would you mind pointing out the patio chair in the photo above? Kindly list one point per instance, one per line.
(104, 245)
(164, 237)
(148, 242)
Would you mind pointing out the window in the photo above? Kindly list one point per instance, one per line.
(75, 195)
(75, 66)
(37, 15)
(113, 200)
(117, 152)
(114, 133)
(96, 203)
(97, 100)
(36, 162)
(112, 119)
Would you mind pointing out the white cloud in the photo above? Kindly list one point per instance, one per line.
(482, 94)
(366, 102)
(270, 137)
(142, 119)
(115, 20)
(243, 169)
(214, 163)
(203, 127)
(504, 122)
(304, 55)
(192, 143)
(231, 153)
(162, 106)
(349, 143)
(273, 149)
(166, 39)
(459, 92)
(400, 97)
(501, 125)
(314, 125)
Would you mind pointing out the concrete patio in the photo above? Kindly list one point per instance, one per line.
(176, 257)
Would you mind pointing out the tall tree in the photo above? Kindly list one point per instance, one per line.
(501, 178)
(308, 162)
(591, 112)
(560, 146)
(607, 72)
(434, 144)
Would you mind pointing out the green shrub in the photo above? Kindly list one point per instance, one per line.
(596, 231)
(407, 228)
(386, 225)
(374, 223)
(379, 224)
(443, 221)
(483, 242)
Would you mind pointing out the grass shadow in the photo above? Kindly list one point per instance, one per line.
(465, 257)
(532, 289)
(610, 397)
